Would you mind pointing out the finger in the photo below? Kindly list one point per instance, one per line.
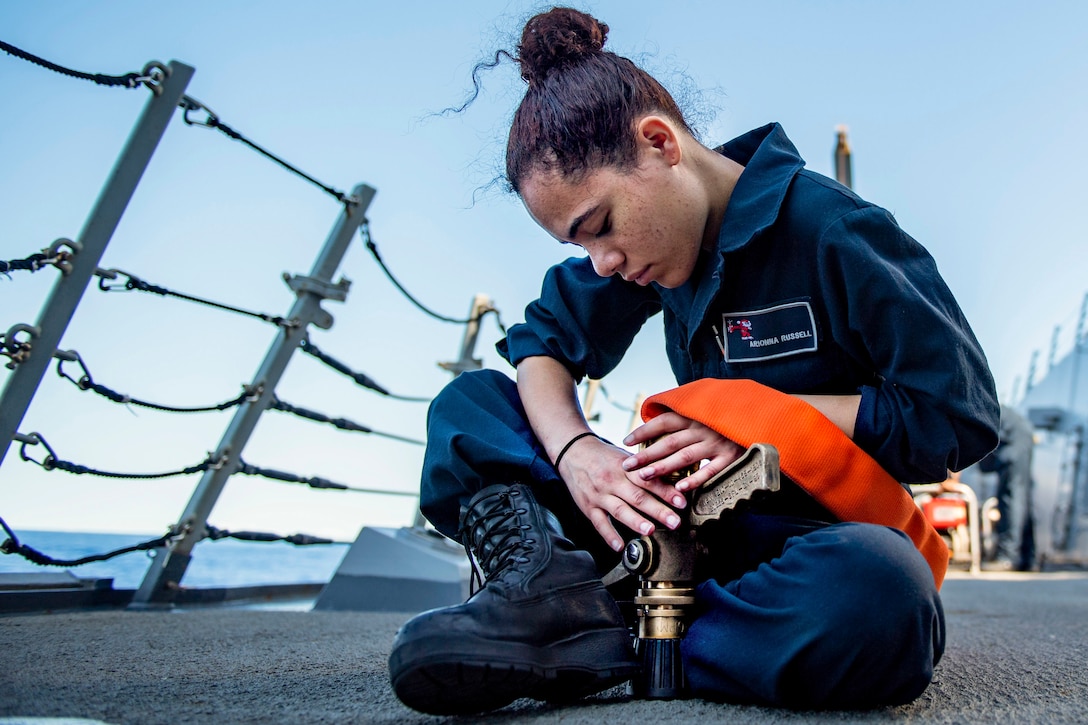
(630, 518)
(707, 471)
(677, 455)
(655, 428)
(603, 524)
(657, 451)
(659, 489)
(637, 503)
(700, 477)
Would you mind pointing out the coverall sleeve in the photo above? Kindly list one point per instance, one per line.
(584, 321)
(934, 405)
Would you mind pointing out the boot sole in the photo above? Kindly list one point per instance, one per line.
(442, 676)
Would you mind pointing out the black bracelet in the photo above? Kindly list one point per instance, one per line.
(570, 443)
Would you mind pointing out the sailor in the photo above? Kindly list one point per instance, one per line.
(762, 271)
(1011, 461)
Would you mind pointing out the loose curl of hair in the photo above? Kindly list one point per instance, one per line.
(582, 103)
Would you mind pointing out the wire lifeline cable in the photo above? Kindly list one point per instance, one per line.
(341, 423)
(314, 481)
(12, 545)
(76, 469)
(188, 105)
(214, 534)
(134, 283)
(86, 382)
(52, 461)
(191, 105)
(32, 263)
(361, 379)
(364, 231)
(129, 80)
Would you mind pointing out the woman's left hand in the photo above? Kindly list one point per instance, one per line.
(679, 443)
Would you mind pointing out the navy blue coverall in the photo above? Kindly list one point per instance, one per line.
(811, 290)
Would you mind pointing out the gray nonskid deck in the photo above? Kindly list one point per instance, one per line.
(1017, 652)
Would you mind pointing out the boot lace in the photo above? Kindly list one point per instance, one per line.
(495, 542)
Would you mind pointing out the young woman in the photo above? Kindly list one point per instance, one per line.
(763, 272)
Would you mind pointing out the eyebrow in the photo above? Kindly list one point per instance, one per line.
(581, 218)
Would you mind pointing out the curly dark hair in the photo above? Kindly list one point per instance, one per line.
(582, 103)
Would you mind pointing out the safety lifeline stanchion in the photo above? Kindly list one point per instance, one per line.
(161, 581)
(168, 87)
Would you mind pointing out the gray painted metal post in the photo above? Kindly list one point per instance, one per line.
(160, 583)
(91, 245)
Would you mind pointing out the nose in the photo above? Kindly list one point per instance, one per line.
(606, 260)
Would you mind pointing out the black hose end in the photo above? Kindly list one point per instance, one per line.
(662, 674)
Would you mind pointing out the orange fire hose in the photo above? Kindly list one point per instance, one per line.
(814, 454)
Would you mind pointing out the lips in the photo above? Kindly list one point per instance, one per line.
(643, 277)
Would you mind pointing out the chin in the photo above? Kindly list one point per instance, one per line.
(677, 279)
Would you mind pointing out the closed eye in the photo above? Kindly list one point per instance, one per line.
(606, 227)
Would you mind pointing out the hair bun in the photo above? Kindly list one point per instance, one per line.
(558, 38)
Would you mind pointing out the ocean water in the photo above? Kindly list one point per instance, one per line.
(222, 563)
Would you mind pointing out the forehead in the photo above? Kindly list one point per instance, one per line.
(556, 201)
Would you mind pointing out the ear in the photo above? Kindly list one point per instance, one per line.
(658, 135)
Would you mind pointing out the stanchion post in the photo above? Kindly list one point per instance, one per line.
(161, 581)
(90, 245)
(466, 361)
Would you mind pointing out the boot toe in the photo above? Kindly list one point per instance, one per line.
(442, 664)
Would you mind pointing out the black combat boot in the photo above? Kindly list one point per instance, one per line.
(542, 626)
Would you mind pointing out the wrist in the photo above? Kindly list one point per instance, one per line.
(570, 444)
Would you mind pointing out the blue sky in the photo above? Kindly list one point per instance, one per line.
(966, 120)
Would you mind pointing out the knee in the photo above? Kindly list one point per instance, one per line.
(881, 584)
(473, 388)
(882, 619)
(480, 380)
(881, 567)
(479, 400)
(847, 617)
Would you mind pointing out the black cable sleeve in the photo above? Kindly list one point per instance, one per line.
(129, 80)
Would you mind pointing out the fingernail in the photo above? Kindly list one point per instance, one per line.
(647, 474)
(645, 528)
(672, 522)
(616, 544)
(628, 464)
(679, 502)
(629, 440)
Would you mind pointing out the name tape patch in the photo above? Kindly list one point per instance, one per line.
(773, 332)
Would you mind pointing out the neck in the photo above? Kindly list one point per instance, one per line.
(719, 175)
